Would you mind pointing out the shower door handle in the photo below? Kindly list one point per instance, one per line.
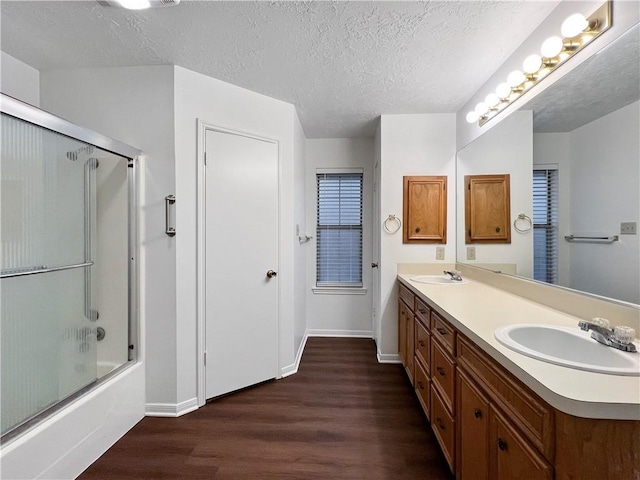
(170, 228)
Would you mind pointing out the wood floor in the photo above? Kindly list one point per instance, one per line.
(342, 416)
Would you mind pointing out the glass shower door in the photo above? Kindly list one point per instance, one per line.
(47, 288)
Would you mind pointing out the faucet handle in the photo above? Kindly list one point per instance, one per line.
(624, 334)
(600, 322)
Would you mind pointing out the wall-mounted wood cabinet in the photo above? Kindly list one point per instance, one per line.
(487, 208)
(425, 209)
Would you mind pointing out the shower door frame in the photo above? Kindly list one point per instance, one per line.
(28, 113)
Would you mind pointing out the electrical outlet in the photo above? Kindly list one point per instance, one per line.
(628, 228)
(471, 253)
(439, 253)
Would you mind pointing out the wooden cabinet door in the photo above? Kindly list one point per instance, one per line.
(411, 328)
(425, 210)
(473, 431)
(487, 209)
(402, 332)
(511, 457)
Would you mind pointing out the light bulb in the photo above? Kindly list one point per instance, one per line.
(516, 78)
(551, 47)
(492, 100)
(532, 64)
(472, 117)
(135, 4)
(503, 91)
(574, 25)
(481, 109)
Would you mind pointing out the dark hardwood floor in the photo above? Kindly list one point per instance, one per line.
(342, 416)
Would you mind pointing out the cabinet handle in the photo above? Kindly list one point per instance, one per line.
(497, 229)
(477, 413)
(440, 424)
(417, 229)
(440, 371)
(421, 343)
(422, 311)
(441, 331)
(272, 274)
(421, 385)
(502, 445)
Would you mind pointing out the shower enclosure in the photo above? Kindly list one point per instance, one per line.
(68, 263)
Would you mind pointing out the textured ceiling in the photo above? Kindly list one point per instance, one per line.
(601, 85)
(342, 64)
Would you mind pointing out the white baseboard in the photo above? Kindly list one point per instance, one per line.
(317, 332)
(171, 409)
(291, 369)
(388, 357)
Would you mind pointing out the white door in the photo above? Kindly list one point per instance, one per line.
(241, 246)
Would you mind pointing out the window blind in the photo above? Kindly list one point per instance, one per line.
(545, 225)
(339, 230)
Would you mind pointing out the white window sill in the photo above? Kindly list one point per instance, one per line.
(339, 291)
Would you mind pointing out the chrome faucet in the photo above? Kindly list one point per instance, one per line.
(618, 337)
(454, 275)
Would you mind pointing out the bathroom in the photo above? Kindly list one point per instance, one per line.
(155, 109)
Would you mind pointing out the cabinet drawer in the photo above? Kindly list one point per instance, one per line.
(443, 332)
(423, 347)
(406, 295)
(443, 374)
(423, 312)
(532, 417)
(443, 426)
(423, 388)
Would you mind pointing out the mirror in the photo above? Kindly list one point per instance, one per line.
(573, 155)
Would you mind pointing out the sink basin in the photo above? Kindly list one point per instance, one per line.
(569, 347)
(437, 280)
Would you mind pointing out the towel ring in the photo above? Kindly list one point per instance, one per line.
(527, 223)
(392, 224)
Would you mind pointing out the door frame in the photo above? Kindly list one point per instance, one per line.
(201, 178)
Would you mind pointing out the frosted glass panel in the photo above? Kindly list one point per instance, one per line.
(48, 222)
(48, 345)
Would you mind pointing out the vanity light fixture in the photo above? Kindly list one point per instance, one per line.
(577, 32)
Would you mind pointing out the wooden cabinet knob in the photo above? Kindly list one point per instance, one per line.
(440, 424)
(417, 229)
(477, 413)
(497, 229)
(441, 331)
(440, 371)
(421, 385)
(421, 343)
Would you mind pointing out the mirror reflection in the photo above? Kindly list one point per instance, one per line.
(573, 155)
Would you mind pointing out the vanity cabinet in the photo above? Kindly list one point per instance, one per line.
(425, 209)
(406, 330)
(491, 426)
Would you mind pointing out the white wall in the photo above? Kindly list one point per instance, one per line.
(135, 105)
(507, 148)
(411, 145)
(605, 167)
(345, 313)
(213, 101)
(625, 14)
(300, 249)
(19, 80)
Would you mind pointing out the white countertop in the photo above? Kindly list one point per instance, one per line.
(477, 310)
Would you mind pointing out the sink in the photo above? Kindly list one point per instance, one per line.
(438, 280)
(569, 347)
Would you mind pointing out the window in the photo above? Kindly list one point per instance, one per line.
(339, 230)
(545, 224)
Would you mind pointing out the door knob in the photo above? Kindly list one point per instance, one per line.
(272, 274)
